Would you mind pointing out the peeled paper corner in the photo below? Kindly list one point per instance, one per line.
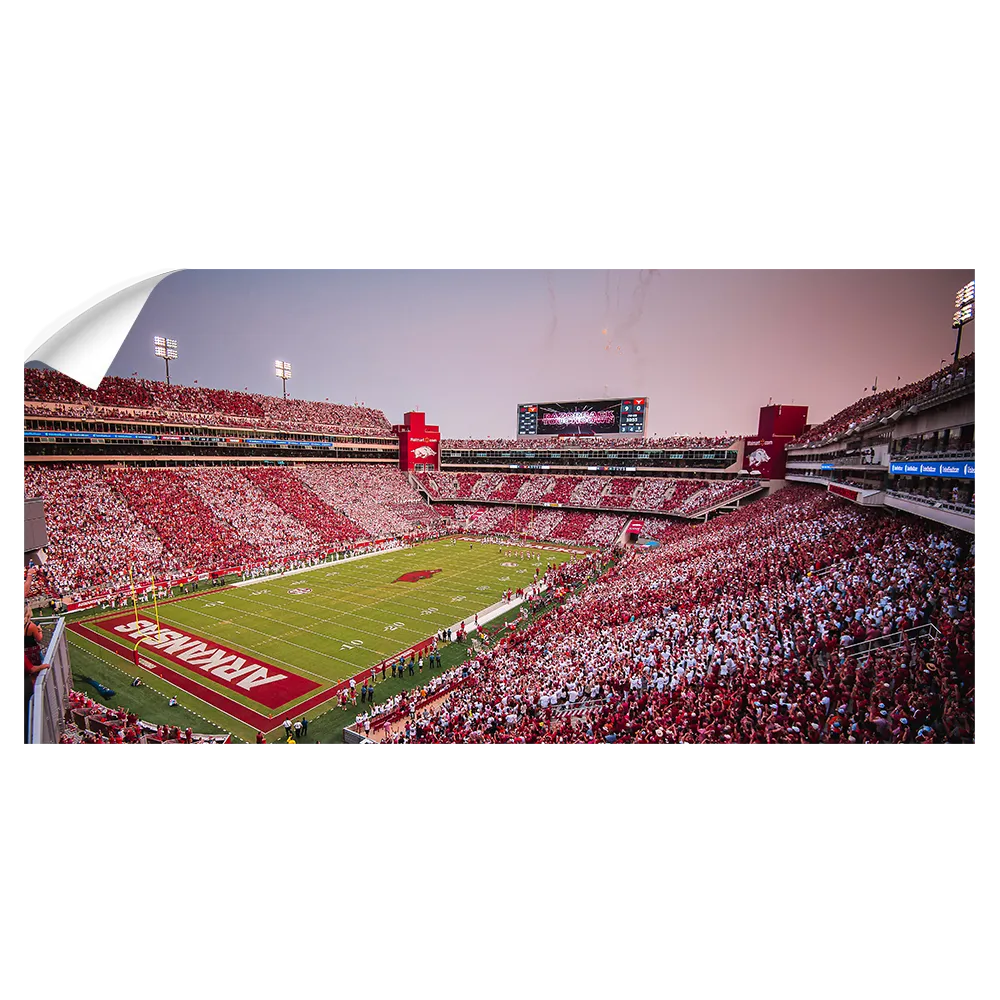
(83, 345)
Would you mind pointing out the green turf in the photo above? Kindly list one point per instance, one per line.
(150, 704)
(354, 616)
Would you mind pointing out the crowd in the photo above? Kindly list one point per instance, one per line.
(685, 497)
(89, 721)
(143, 400)
(573, 527)
(172, 523)
(94, 534)
(548, 442)
(881, 404)
(378, 498)
(790, 620)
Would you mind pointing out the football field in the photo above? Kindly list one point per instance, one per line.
(246, 656)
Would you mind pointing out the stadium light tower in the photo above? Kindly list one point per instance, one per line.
(283, 370)
(166, 349)
(965, 312)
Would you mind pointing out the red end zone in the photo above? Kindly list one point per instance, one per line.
(263, 683)
(235, 709)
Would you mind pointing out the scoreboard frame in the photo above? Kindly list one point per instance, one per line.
(584, 406)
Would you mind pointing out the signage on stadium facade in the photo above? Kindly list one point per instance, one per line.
(91, 434)
(844, 491)
(765, 457)
(947, 470)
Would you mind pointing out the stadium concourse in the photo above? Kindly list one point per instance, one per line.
(799, 617)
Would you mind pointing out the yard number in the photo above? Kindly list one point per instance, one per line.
(353, 644)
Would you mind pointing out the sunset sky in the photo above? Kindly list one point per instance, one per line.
(707, 347)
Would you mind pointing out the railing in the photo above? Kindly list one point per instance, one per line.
(893, 640)
(960, 508)
(875, 499)
(50, 699)
(570, 706)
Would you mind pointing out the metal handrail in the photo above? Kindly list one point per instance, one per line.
(893, 640)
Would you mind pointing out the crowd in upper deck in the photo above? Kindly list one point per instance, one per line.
(50, 393)
(877, 405)
(685, 497)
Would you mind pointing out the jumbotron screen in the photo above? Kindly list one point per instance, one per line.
(601, 416)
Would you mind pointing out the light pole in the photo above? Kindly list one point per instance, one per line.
(965, 312)
(166, 349)
(283, 370)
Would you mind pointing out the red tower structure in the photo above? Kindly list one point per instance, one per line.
(419, 443)
(764, 455)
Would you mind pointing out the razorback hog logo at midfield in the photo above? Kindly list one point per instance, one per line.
(420, 574)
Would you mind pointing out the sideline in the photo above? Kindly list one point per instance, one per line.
(254, 580)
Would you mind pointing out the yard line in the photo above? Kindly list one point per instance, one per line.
(214, 708)
(381, 592)
(346, 620)
(329, 621)
(271, 637)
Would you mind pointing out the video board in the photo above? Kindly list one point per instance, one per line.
(600, 416)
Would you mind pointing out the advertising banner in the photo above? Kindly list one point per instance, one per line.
(947, 470)
(844, 491)
(423, 449)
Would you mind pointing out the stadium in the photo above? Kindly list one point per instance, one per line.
(208, 565)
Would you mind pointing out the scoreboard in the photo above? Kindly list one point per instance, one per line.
(600, 416)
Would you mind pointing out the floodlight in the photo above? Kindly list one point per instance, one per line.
(283, 370)
(965, 299)
(165, 348)
(963, 316)
(965, 294)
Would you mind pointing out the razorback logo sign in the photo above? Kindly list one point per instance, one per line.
(420, 574)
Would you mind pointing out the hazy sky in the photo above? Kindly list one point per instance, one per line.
(707, 347)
